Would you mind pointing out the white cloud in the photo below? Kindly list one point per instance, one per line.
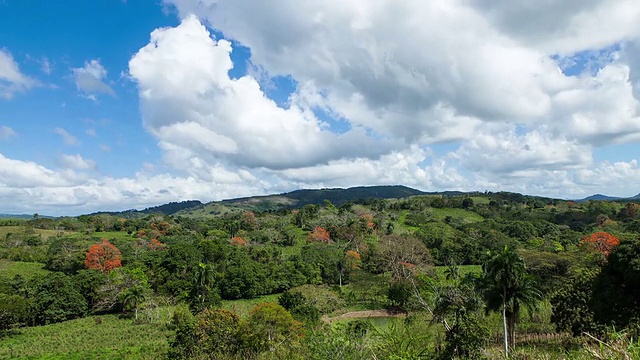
(6, 132)
(90, 78)
(564, 26)
(204, 118)
(77, 162)
(439, 95)
(46, 66)
(11, 79)
(66, 137)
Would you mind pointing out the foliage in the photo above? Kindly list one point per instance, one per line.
(507, 287)
(601, 241)
(617, 286)
(216, 332)
(56, 299)
(268, 327)
(319, 234)
(103, 257)
(571, 311)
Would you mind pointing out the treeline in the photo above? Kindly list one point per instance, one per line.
(379, 253)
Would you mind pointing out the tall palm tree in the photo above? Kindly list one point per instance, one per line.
(508, 287)
(204, 281)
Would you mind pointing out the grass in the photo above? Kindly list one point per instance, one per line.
(9, 269)
(243, 306)
(113, 338)
(464, 269)
(44, 233)
(455, 213)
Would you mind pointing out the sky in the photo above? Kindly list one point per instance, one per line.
(114, 105)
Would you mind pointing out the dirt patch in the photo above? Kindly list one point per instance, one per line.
(365, 314)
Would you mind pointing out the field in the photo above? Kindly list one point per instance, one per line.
(112, 338)
(9, 269)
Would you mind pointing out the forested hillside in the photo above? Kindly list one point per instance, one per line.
(381, 273)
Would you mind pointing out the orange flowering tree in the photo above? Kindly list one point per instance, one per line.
(352, 260)
(319, 234)
(103, 257)
(601, 241)
(237, 240)
(156, 244)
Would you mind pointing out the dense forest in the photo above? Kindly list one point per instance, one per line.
(386, 275)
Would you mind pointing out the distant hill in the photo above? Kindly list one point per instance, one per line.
(608, 198)
(300, 198)
(166, 209)
(16, 216)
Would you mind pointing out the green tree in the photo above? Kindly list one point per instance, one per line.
(618, 286)
(508, 288)
(216, 332)
(570, 304)
(269, 326)
(204, 293)
(56, 299)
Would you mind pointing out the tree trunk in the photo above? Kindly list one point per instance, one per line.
(504, 324)
(512, 329)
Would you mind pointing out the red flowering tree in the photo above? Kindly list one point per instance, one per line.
(319, 234)
(103, 257)
(601, 241)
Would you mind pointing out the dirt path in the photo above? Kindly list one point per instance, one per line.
(364, 314)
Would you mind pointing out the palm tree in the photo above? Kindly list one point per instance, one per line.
(204, 281)
(133, 297)
(508, 287)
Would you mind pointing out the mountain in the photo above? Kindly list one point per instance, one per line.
(16, 216)
(300, 198)
(166, 209)
(608, 198)
(599, 197)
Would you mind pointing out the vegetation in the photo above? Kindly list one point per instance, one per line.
(383, 272)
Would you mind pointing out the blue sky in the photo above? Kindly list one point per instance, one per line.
(108, 105)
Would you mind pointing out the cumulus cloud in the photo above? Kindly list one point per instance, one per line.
(424, 73)
(6, 132)
(439, 95)
(90, 78)
(77, 162)
(66, 137)
(12, 80)
(204, 118)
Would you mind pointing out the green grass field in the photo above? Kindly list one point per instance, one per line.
(455, 213)
(243, 306)
(44, 233)
(113, 338)
(9, 269)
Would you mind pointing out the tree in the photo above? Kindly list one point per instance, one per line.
(268, 326)
(216, 332)
(459, 301)
(570, 304)
(134, 296)
(103, 257)
(56, 299)
(616, 289)
(319, 234)
(508, 287)
(203, 294)
(122, 287)
(601, 241)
